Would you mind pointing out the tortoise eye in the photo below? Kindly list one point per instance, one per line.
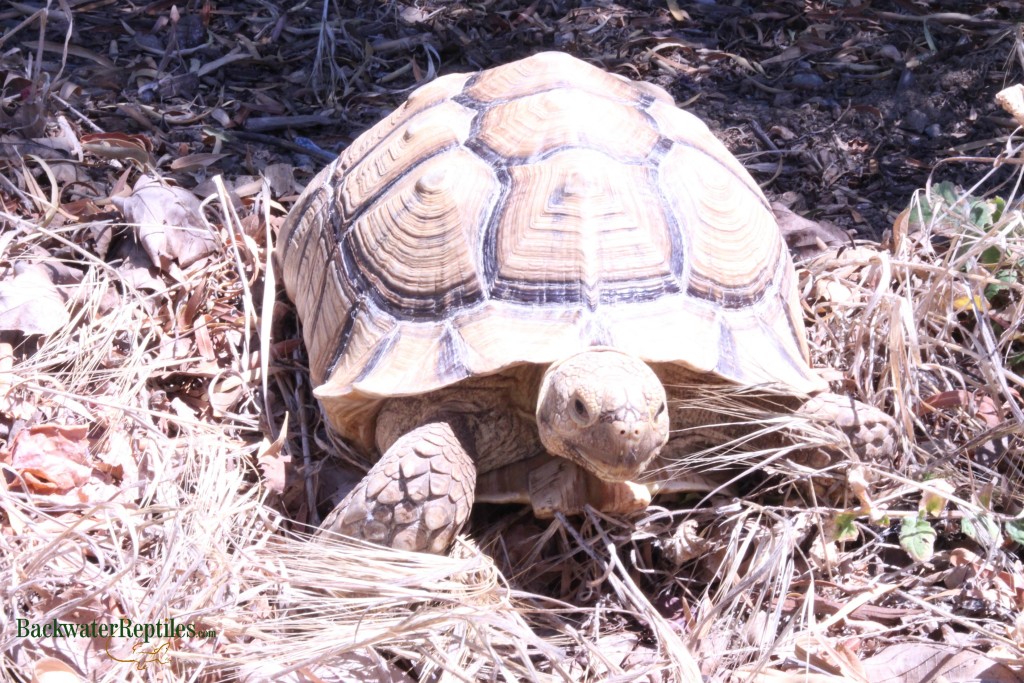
(580, 409)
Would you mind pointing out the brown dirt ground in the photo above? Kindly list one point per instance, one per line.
(839, 108)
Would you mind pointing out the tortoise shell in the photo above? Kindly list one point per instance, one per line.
(522, 213)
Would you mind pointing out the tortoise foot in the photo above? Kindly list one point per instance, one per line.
(871, 432)
(416, 497)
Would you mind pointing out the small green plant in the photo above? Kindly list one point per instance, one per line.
(984, 240)
(917, 537)
(954, 212)
(846, 527)
(978, 522)
(1015, 530)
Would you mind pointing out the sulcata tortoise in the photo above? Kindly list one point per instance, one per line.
(526, 262)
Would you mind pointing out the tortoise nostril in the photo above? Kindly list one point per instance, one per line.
(631, 432)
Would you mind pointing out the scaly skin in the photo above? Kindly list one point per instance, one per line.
(418, 495)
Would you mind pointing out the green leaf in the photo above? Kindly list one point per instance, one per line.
(981, 528)
(982, 214)
(946, 191)
(1010, 275)
(1006, 275)
(1015, 530)
(984, 496)
(991, 256)
(999, 203)
(846, 530)
(917, 537)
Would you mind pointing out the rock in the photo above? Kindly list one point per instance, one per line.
(807, 81)
(915, 121)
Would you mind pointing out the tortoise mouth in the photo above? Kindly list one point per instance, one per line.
(620, 467)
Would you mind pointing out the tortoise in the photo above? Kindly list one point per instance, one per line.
(502, 283)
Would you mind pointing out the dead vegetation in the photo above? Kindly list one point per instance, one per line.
(143, 387)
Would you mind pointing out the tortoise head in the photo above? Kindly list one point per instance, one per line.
(604, 410)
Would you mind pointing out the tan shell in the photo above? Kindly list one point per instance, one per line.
(522, 213)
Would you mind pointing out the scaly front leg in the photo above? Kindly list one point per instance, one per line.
(417, 496)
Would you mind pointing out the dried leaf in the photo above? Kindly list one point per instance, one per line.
(977, 576)
(204, 343)
(50, 670)
(30, 303)
(61, 48)
(281, 178)
(169, 222)
(225, 392)
(136, 268)
(823, 553)
(987, 410)
(957, 398)
(192, 162)
(805, 237)
(933, 502)
(274, 465)
(825, 655)
(1012, 101)
(685, 543)
(919, 662)
(791, 53)
(119, 459)
(622, 650)
(119, 146)
(857, 479)
(52, 458)
(1017, 632)
(85, 210)
(677, 12)
(830, 290)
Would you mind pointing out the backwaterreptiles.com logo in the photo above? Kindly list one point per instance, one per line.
(141, 653)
